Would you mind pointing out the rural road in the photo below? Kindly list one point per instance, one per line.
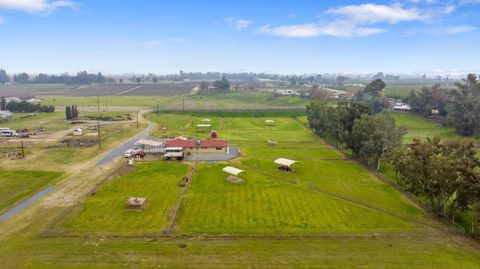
(119, 150)
(110, 156)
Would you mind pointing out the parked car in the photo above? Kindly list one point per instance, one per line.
(129, 153)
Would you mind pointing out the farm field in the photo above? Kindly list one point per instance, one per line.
(205, 101)
(267, 205)
(419, 127)
(271, 202)
(161, 89)
(104, 213)
(330, 212)
(28, 90)
(20, 184)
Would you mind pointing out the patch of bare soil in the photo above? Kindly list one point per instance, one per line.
(235, 180)
(78, 143)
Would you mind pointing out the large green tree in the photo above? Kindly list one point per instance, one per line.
(375, 136)
(4, 78)
(372, 97)
(3, 104)
(222, 84)
(464, 107)
(430, 98)
(444, 173)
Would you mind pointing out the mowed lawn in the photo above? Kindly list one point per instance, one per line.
(344, 179)
(422, 128)
(106, 213)
(18, 185)
(267, 205)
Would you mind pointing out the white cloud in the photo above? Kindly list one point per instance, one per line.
(177, 40)
(373, 13)
(470, 1)
(339, 29)
(36, 6)
(449, 9)
(453, 30)
(151, 44)
(239, 24)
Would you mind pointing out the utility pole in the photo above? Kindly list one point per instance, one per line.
(99, 136)
(98, 103)
(137, 119)
(183, 102)
(23, 152)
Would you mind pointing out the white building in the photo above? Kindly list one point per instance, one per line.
(5, 114)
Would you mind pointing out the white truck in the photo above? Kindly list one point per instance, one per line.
(174, 153)
(7, 132)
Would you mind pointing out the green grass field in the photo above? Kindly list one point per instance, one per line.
(268, 205)
(17, 185)
(105, 212)
(51, 122)
(420, 127)
(341, 216)
(206, 101)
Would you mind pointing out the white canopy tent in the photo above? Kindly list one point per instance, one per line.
(204, 125)
(232, 170)
(206, 120)
(285, 162)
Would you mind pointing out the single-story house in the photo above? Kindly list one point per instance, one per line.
(199, 146)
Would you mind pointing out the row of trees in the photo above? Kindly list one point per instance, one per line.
(25, 107)
(81, 78)
(351, 126)
(461, 105)
(445, 174)
(222, 84)
(372, 96)
(71, 112)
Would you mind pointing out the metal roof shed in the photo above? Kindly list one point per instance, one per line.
(232, 170)
(285, 162)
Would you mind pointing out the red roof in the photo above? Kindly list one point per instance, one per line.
(180, 143)
(213, 143)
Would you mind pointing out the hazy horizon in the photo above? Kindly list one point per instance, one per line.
(290, 37)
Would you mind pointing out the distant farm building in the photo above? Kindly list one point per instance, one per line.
(5, 114)
(401, 107)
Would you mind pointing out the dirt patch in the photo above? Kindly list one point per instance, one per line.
(235, 180)
(77, 143)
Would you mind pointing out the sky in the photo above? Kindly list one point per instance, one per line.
(285, 37)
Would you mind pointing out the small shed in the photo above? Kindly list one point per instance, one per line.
(232, 170)
(285, 164)
(137, 203)
(270, 122)
(204, 127)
